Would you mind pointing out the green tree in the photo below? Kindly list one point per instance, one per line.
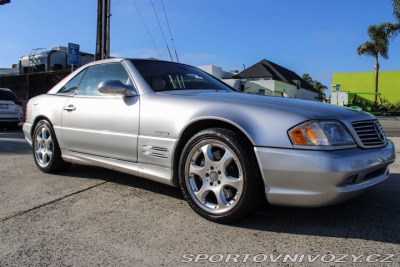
(396, 9)
(308, 78)
(319, 87)
(378, 45)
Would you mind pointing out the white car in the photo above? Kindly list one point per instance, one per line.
(11, 112)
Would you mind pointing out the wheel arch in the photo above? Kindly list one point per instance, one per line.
(36, 121)
(197, 126)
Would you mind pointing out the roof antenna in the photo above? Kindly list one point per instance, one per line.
(170, 33)
(162, 32)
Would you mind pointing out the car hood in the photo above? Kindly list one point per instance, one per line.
(313, 109)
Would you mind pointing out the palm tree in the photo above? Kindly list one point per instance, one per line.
(320, 88)
(396, 9)
(378, 45)
(308, 79)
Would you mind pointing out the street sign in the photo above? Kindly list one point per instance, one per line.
(73, 54)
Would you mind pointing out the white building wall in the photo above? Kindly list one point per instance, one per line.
(339, 98)
(277, 88)
(217, 72)
(232, 83)
(213, 70)
(261, 86)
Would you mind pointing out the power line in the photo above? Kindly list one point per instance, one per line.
(170, 33)
(162, 32)
(148, 31)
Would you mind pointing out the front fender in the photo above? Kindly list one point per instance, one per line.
(171, 115)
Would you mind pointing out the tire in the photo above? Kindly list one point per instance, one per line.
(46, 151)
(219, 175)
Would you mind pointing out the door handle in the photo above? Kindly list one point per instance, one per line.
(70, 108)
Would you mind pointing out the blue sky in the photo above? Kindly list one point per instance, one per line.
(309, 36)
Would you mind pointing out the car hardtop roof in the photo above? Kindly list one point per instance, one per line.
(120, 59)
(156, 59)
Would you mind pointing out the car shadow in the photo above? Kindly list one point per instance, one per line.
(91, 172)
(374, 215)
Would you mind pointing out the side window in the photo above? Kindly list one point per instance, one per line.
(98, 73)
(71, 86)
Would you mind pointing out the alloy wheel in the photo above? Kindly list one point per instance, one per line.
(214, 176)
(44, 146)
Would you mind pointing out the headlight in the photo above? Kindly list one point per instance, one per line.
(321, 133)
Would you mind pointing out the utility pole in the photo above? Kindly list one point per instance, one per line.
(103, 29)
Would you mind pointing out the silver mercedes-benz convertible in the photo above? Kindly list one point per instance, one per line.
(227, 151)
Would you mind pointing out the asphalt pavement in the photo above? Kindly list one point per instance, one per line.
(90, 216)
(391, 125)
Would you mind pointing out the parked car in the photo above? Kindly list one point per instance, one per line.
(11, 113)
(177, 125)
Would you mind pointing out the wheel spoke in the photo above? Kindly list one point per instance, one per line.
(222, 202)
(39, 139)
(45, 158)
(202, 193)
(49, 153)
(208, 156)
(232, 182)
(48, 141)
(38, 152)
(44, 133)
(195, 169)
(40, 155)
(226, 158)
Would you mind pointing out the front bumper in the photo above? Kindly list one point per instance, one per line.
(27, 129)
(320, 178)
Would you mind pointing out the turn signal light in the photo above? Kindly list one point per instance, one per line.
(309, 134)
(297, 137)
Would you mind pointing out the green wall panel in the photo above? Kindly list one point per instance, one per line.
(389, 83)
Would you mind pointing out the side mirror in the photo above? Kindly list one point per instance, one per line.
(115, 87)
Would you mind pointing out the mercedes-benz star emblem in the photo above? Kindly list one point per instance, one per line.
(379, 132)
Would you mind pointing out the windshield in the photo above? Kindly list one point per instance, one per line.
(163, 76)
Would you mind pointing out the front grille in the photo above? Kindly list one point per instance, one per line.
(370, 133)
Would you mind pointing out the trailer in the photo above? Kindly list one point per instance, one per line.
(42, 60)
